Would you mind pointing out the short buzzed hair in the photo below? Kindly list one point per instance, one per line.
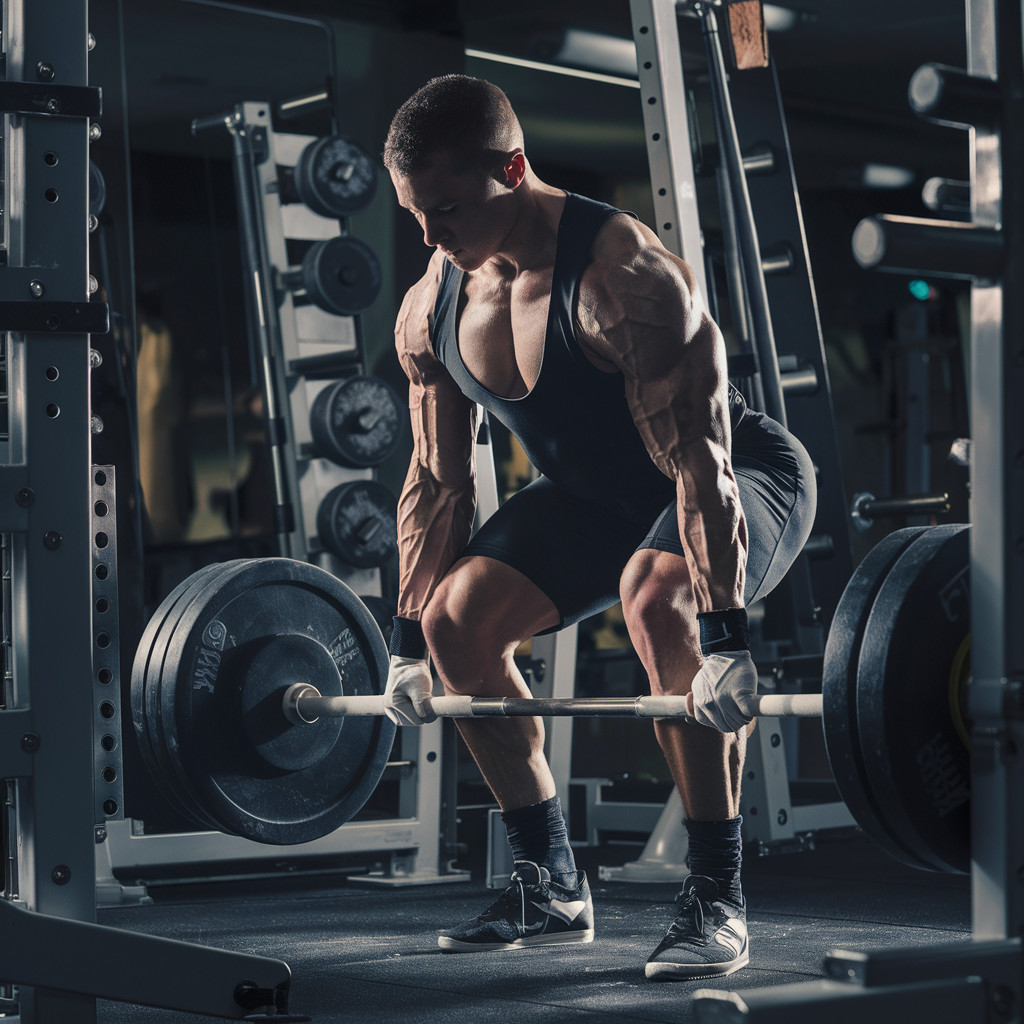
(465, 116)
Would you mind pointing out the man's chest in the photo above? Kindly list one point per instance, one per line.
(502, 326)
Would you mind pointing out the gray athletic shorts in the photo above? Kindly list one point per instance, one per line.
(575, 549)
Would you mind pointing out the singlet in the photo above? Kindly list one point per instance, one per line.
(574, 424)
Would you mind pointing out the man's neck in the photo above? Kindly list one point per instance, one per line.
(530, 242)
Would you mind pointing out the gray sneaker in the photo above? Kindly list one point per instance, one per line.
(532, 911)
(707, 939)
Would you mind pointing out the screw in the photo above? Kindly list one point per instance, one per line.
(90, 42)
(30, 743)
(25, 496)
(95, 358)
(776, 739)
(52, 322)
(96, 424)
(94, 222)
(94, 285)
(95, 132)
(53, 105)
(61, 874)
(37, 289)
(782, 817)
(44, 70)
(101, 834)
(52, 540)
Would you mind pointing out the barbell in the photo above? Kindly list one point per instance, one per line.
(257, 700)
(303, 704)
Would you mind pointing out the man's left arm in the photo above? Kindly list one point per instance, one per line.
(639, 308)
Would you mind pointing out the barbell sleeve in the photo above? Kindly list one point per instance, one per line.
(303, 703)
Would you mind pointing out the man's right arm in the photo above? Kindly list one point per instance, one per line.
(438, 500)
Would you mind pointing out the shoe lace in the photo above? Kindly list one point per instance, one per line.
(513, 896)
(517, 879)
(692, 902)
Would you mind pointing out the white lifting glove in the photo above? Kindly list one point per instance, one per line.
(728, 674)
(719, 688)
(407, 694)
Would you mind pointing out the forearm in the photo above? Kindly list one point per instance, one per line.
(713, 530)
(434, 525)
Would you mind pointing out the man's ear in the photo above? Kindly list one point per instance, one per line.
(515, 168)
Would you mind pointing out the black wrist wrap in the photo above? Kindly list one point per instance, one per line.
(407, 639)
(723, 631)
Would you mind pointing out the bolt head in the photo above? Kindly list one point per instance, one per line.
(25, 496)
(45, 71)
(95, 132)
(53, 105)
(36, 289)
(52, 540)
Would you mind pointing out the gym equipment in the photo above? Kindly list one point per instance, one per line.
(357, 521)
(207, 712)
(341, 275)
(356, 422)
(335, 176)
(262, 684)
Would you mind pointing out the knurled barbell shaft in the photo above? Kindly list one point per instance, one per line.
(303, 703)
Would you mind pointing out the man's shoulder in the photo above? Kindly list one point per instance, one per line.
(412, 327)
(628, 256)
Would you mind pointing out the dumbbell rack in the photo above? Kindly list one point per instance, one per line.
(292, 337)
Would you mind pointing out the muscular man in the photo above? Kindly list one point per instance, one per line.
(571, 323)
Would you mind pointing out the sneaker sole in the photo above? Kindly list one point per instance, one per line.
(450, 945)
(661, 971)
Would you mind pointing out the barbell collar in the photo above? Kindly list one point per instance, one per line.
(303, 704)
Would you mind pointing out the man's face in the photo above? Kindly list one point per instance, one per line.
(465, 213)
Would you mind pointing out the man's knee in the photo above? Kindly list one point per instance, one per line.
(661, 613)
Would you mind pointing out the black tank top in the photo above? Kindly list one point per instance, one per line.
(574, 424)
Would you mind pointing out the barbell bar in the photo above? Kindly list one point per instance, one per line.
(304, 705)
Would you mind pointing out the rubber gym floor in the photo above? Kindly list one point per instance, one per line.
(365, 954)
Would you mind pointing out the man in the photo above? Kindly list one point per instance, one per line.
(570, 322)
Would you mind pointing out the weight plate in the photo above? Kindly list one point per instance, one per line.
(358, 522)
(165, 744)
(335, 176)
(167, 609)
(153, 647)
(918, 767)
(208, 680)
(341, 275)
(839, 679)
(356, 422)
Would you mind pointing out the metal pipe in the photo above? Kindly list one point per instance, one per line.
(866, 506)
(746, 233)
(303, 704)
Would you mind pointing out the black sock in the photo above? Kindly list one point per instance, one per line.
(716, 851)
(537, 833)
